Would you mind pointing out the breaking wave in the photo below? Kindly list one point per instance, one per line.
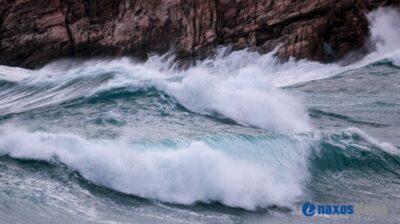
(250, 171)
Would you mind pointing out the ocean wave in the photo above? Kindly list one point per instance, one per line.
(243, 86)
(353, 149)
(244, 95)
(395, 58)
(196, 171)
(238, 171)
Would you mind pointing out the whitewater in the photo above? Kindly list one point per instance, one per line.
(237, 138)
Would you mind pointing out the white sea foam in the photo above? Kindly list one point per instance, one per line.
(188, 174)
(14, 74)
(385, 146)
(242, 92)
(241, 86)
(245, 96)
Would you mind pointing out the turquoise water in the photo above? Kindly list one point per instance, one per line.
(105, 142)
(239, 138)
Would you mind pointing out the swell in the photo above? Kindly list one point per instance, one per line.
(334, 151)
(178, 171)
(318, 114)
(198, 93)
(352, 149)
(106, 80)
(390, 62)
(273, 169)
(250, 101)
(126, 95)
(23, 96)
(120, 94)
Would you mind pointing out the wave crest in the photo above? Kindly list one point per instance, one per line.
(195, 171)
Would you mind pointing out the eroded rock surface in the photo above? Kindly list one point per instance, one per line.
(34, 32)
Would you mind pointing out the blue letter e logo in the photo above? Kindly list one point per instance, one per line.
(308, 209)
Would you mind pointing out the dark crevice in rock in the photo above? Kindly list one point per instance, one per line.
(67, 23)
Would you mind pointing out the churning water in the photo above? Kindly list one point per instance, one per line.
(235, 139)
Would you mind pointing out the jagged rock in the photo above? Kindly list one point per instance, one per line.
(33, 32)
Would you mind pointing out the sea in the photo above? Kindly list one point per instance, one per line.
(241, 137)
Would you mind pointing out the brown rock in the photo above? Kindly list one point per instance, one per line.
(49, 20)
(33, 32)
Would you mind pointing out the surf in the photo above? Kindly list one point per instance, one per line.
(242, 130)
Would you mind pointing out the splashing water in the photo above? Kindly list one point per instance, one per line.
(240, 130)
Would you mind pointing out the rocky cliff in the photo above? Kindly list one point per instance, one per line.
(33, 32)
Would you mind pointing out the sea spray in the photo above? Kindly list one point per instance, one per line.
(385, 30)
(244, 96)
(241, 86)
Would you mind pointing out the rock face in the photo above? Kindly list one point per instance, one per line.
(33, 32)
